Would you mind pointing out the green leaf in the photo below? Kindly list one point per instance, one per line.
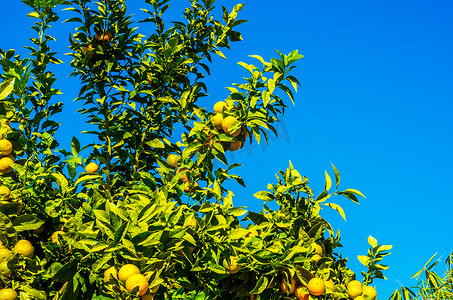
(6, 87)
(328, 182)
(27, 222)
(271, 85)
(353, 191)
(337, 176)
(8, 235)
(364, 260)
(264, 195)
(33, 14)
(337, 208)
(260, 285)
(372, 241)
(266, 98)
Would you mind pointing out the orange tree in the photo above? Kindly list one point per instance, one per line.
(147, 214)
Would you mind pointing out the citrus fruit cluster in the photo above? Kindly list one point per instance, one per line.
(130, 277)
(225, 122)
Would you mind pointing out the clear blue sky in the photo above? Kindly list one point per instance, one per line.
(376, 101)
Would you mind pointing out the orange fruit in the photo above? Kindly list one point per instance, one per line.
(354, 289)
(234, 146)
(172, 160)
(302, 293)
(88, 49)
(5, 254)
(184, 175)
(154, 289)
(107, 37)
(318, 249)
(329, 285)
(5, 164)
(147, 296)
(316, 286)
(245, 131)
(190, 187)
(8, 294)
(231, 266)
(369, 292)
(359, 298)
(25, 248)
(137, 280)
(192, 222)
(4, 192)
(4, 270)
(126, 271)
(284, 286)
(226, 124)
(110, 272)
(219, 107)
(92, 167)
(54, 236)
(39, 230)
(217, 120)
(6, 147)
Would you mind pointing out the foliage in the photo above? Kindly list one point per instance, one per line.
(433, 287)
(177, 224)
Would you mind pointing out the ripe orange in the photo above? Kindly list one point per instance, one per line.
(92, 167)
(359, 298)
(25, 248)
(302, 293)
(88, 49)
(369, 293)
(126, 271)
(284, 286)
(192, 222)
(226, 124)
(318, 249)
(316, 286)
(232, 266)
(329, 285)
(234, 146)
(154, 289)
(147, 296)
(107, 37)
(184, 172)
(8, 294)
(190, 187)
(217, 120)
(172, 160)
(219, 107)
(5, 164)
(6, 147)
(110, 272)
(137, 280)
(5, 254)
(4, 192)
(354, 289)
